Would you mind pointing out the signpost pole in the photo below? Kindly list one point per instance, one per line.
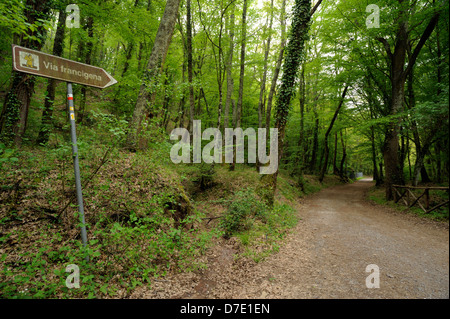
(42, 64)
(76, 165)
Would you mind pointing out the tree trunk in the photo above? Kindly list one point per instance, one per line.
(237, 109)
(14, 116)
(142, 44)
(242, 69)
(87, 60)
(130, 48)
(230, 82)
(198, 111)
(419, 167)
(47, 114)
(437, 150)
(127, 58)
(299, 29)
(262, 89)
(335, 168)
(438, 92)
(342, 173)
(327, 133)
(312, 164)
(398, 75)
(278, 65)
(419, 164)
(301, 139)
(156, 61)
(376, 177)
(190, 65)
(403, 151)
(181, 110)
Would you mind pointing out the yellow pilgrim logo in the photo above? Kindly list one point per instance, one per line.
(29, 60)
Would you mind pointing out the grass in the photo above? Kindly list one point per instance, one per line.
(264, 238)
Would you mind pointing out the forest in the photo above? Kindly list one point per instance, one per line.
(352, 87)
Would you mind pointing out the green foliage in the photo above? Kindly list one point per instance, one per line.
(204, 175)
(114, 128)
(7, 155)
(141, 222)
(13, 19)
(294, 52)
(127, 247)
(241, 209)
(263, 238)
(134, 236)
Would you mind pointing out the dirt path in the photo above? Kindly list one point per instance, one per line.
(326, 256)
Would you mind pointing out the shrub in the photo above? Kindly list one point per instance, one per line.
(241, 209)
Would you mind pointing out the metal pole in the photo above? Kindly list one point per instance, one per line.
(76, 166)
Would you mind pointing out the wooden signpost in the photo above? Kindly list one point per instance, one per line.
(51, 66)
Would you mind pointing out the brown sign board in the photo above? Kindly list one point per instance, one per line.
(54, 67)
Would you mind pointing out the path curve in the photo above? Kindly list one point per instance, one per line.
(340, 234)
(325, 256)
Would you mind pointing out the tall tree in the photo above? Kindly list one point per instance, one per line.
(89, 26)
(262, 89)
(189, 63)
(230, 81)
(219, 54)
(242, 68)
(130, 48)
(14, 116)
(327, 133)
(301, 16)
(147, 92)
(47, 114)
(398, 75)
(278, 64)
(301, 139)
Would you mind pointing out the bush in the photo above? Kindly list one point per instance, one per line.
(205, 176)
(7, 155)
(241, 209)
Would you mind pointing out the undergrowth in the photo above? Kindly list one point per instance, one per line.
(145, 216)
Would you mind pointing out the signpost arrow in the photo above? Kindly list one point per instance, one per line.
(51, 66)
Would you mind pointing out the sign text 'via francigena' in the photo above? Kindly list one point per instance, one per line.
(51, 66)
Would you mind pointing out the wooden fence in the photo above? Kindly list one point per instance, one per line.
(411, 199)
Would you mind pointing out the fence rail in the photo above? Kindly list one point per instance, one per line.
(412, 200)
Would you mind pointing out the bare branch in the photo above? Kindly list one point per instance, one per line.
(315, 7)
(425, 35)
(387, 47)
